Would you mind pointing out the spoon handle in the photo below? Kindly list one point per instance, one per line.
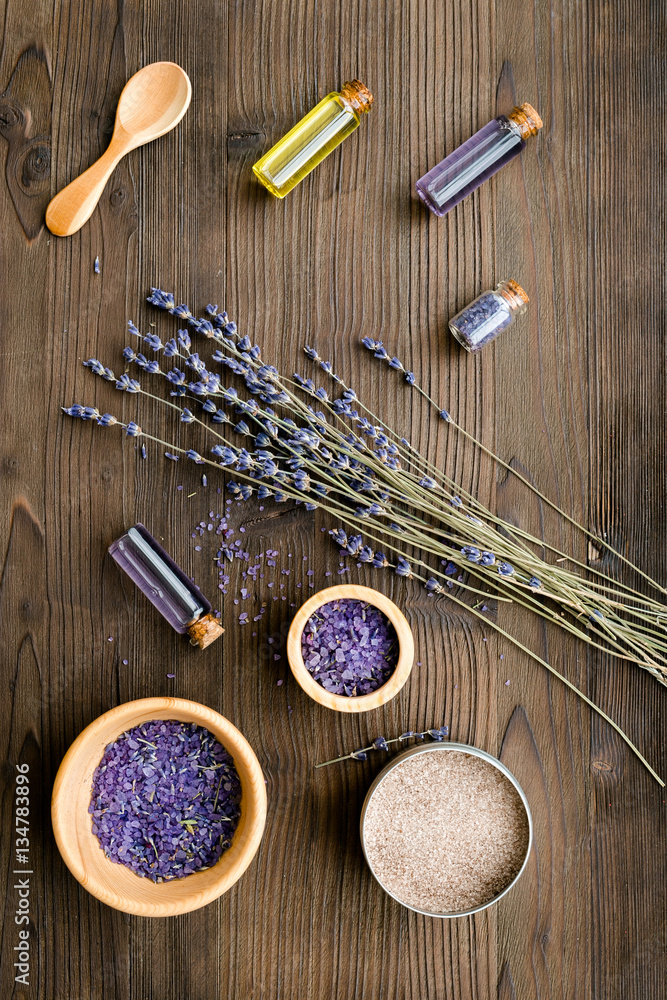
(74, 205)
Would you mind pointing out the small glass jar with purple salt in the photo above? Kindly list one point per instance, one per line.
(488, 315)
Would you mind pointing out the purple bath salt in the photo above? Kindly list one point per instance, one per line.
(166, 799)
(350, 647)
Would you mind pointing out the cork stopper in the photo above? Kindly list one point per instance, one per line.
(515, 295)
(357, 95)
(527, 118)
(204, 631)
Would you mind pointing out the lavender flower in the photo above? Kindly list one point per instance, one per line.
(295, 450)
(127, 384)
(380, 743)
(403, 567)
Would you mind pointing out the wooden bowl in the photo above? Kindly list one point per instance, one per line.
(339, 702)
(115, 884)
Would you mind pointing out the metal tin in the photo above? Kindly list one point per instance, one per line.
(439, 748)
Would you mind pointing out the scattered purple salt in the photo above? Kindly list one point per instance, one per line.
(171, 676)
(507, 684)
(125, 662)
(165, 800)
(279, 683)
(350, 647)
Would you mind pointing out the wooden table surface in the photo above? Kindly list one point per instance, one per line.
(574, 397)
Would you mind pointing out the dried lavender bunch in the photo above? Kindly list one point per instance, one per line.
(378, 350)
(286, 438)
(380, 743)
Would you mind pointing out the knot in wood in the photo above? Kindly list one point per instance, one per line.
(242, 139)
(117, 197)
(11, 115)
(36, 170)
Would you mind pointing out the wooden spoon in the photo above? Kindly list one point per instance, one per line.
(153, 101)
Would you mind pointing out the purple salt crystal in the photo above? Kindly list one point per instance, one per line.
(349, 647)
(165, 799)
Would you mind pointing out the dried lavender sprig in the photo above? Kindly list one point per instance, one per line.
(406, 568)
(380, 743)
(152, 367)
(511, 530)
(552, 670)
(301, 381)
(132, 387)
(420, 541)
(377, 348)
(91, 413)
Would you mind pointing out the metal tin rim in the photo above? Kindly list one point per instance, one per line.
(434, 748)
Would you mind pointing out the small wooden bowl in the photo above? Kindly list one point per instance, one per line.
(339, 702)
(115, 884)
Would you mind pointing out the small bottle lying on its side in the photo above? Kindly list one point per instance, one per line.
(313, 138)
(479, 158)
(166, 586)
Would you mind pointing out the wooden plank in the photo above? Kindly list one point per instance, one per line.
(573, 397)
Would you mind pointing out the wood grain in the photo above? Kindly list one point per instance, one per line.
(573, 397)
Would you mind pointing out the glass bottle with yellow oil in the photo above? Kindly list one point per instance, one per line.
(313, 138)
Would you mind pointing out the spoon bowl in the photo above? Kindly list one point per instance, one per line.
(153, 102)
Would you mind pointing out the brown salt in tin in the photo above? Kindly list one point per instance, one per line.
(446, 829)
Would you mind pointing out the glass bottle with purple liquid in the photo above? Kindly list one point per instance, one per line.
(166, 586)
(481, 156)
